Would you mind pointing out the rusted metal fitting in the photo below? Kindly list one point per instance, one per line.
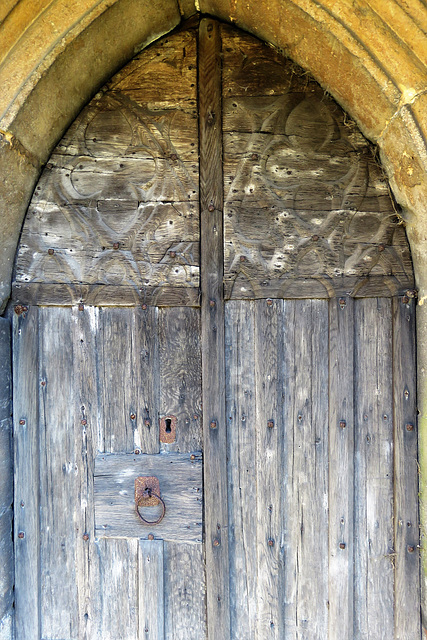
(83, 422)
(43, 383)
(213, 424)
(270, 424)
(270, 542)
(86, 537)
(211, 207)
(174, 156)
(22, 422)
(21, 535)
(150, 536)
(167, 429)
(216, 542)
(147, 422)
(381, 247)
(269, 302)
(343, 424)
(254, 156)
(410, 548)
(242, 258)
(409, 427)
(342, 302)
(144, 307)
(212, 303)
(19, 309)
(405, 300)
(172, 254)
(116, 245)
(315, 238)
(192, 457)
(51, 251)
(342, 545)
(81, 306)
(132, 416)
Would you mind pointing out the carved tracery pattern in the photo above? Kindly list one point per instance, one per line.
(307, 208)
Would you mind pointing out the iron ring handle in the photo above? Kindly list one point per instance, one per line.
(161, 516)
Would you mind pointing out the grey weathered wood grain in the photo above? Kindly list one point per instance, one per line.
(242, 464)
(129, 379)
(26, 471)
(181, 376)
(341, 468)
(6, 471)
(84, 335)
(374, 553)
(118, 201)
(60, 294)
(117, 606)
(151, 590)
(59, 477)
(406, 528)
(269, 500)
(185, 592)
(180, 479)
(306, 494)
(212, 316)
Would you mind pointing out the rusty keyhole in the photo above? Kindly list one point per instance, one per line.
(168, 429)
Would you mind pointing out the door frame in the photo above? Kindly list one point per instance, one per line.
(26, 168)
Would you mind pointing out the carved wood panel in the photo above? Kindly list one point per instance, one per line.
(307, 208)
(115, 216)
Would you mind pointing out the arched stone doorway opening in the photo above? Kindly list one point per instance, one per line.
(400, 132)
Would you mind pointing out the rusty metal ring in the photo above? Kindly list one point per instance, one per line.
(161, 516)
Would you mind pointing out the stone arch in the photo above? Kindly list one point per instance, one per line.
(370, 55)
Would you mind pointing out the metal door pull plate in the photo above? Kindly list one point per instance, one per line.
(147, 494)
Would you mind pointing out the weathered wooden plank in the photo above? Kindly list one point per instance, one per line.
(117, 614)
(213, 366)
(306, 494)
(59, 478)
(251, 67)
(129, 379)
(341, 468)
(6, 566)
(241, 455)
(151, 590)
(164, 71)
(180, 478)
(6, 471)
(373, 486)
(65, 294)
(406, 528)
(242, 287)
(26, 383)
(85, 402)
(269, 498)
(181, 375)
(185, 592)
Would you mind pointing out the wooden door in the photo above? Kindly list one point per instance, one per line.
(212, 273)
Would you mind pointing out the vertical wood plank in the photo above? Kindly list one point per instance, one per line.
(26, 379)
(117, 564)
(373, 487)
(185, 592)
(212, 314)
(6, 473)
(242, 464)
(406, 529)
(269, 499)
(129, 379)
(181, 375)
(151, 590)
(306, 535)
(59, 477)
(84, 333)
(341, 468)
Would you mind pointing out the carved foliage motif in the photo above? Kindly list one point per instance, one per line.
(307, 209)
